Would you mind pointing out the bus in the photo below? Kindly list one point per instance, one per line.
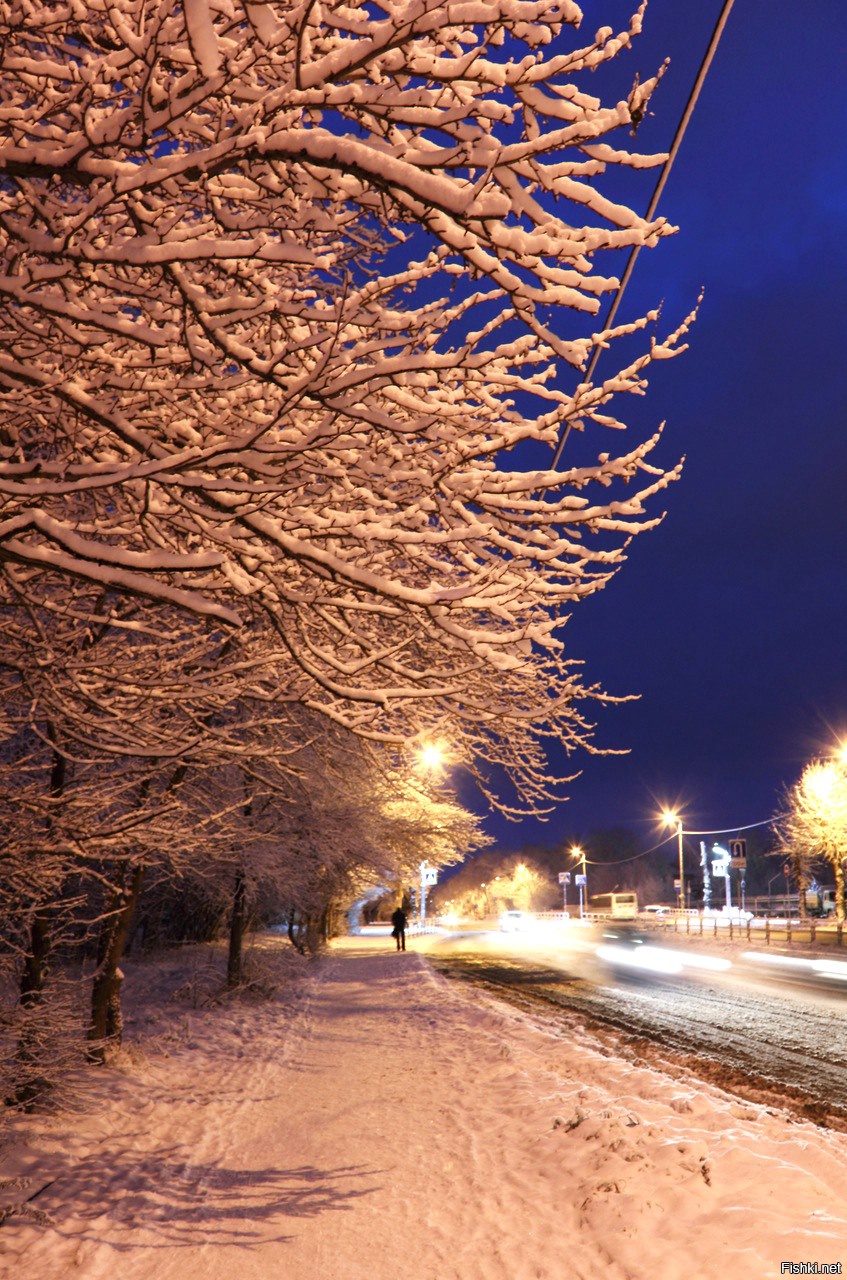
(617, 906)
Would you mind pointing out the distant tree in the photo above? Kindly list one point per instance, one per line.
(367, 826)
(522, 888)
(495, 881)
(813, 829)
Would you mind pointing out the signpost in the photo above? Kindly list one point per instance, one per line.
(738, 862)
(707, 879)
(564, 881)
(738, 852)
(582, 881)
(721, 860)
(429, 877)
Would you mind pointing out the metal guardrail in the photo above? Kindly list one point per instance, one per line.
(767, 929)
(694, 924)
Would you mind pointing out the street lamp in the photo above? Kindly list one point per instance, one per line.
(672, 820)
(582, 880)
(431, 756)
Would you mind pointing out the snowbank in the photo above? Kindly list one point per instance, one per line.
(376, 1121)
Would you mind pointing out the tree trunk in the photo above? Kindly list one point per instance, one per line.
(295, 932)
(326, 923)
(803, 881)
(33, 1079)
(838, 865)
(106, 1024)
(35, 963)
(314, 934)
(238, 920)
(237, 928)
(34, 1084)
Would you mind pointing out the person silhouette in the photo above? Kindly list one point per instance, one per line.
(399, 921)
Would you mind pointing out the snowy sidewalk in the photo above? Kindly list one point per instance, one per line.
(389, 1124)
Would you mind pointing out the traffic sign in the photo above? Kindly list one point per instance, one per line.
(580, 879)
(430, 877)
(565, 877)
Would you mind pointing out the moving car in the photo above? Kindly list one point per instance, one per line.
(513, 921)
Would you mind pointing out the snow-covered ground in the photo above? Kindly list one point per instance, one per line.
(374, 1121)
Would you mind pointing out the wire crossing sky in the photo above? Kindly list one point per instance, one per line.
(729, 619)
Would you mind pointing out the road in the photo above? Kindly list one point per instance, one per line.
(772, 1029)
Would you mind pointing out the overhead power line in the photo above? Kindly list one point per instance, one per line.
(660, 186)
(721, 831)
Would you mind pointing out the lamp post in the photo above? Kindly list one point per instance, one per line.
(431, 758)
(673, 819)
(423, 871)
(582, 879)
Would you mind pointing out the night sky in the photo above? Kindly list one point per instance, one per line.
(730, 620)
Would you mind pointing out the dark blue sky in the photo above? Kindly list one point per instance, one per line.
(731, 619)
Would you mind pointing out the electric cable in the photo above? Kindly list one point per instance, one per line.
(660, 186)
(766, 822)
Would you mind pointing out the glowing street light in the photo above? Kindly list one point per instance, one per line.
(673, 820)
(431, 756)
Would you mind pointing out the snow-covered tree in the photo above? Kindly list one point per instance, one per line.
(256, 802)
(813, 830)
(342, 820)
(288, 296)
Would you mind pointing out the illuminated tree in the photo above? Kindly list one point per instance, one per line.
(288, 294)
(248, 801)
(814, 829)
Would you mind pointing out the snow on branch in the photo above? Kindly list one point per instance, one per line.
(287, 294)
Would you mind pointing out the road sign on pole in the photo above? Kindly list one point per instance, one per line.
(429, 876)
(738, 855)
